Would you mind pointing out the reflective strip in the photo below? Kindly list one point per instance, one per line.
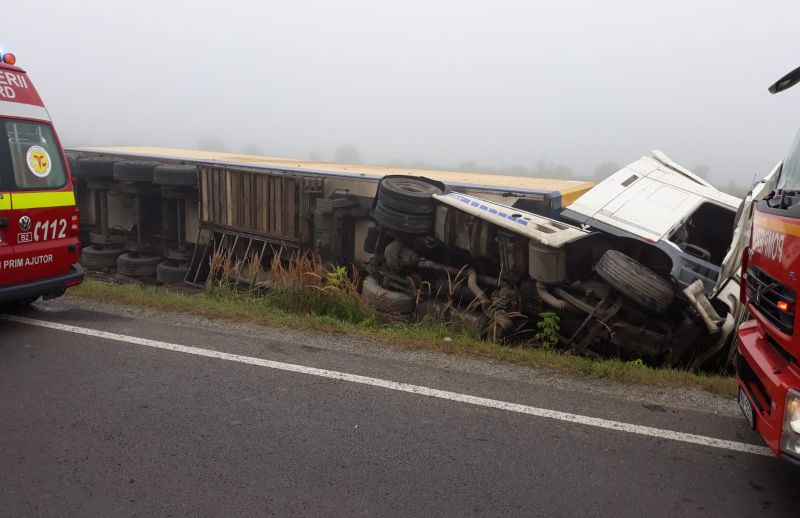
(776, 224)
(38, 200)
(28, 111)
(5, 201)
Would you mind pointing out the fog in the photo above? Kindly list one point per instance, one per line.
(506, 85)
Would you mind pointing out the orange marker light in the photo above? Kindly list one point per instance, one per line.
(783, 306)
(9, 59)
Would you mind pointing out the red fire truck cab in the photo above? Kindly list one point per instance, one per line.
(39, 247)
(768, 363)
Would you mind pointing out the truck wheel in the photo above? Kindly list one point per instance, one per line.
(131, 171)
(137, 265)
(635, 281)
(403, 222)
(72, 165)
(168, 272)
(98, 258)
(386, 301)
(408, 194)
(95, 167)
(175, 175)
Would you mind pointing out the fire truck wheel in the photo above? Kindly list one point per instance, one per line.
(137, 265)
(131, 171)
(408, 194)
(386, 301)
(403, 222)
(98, 258)
(175, 175)
(635, 281)
(99, 167)
(168, 272)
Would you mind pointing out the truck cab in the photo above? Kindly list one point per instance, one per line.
(39, 221)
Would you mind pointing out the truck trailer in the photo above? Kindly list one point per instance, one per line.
(632, 266)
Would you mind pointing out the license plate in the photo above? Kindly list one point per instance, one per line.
(747, 407)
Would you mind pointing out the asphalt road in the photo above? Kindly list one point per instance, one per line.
(101, 426)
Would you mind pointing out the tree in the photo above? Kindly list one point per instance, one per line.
(546, 169)
(347, 154)
(701, 171)
(252, 149)
(315, 156)
(468, 166)
(211, 144)
(604, 170)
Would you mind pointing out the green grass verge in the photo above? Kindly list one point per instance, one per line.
(332, 314)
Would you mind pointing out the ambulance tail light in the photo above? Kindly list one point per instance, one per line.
(75, 223)
(9, 58)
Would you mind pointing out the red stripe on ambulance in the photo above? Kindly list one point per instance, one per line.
(15, 87)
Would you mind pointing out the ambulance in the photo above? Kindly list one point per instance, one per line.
(39, 222)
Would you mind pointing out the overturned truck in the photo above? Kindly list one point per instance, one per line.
(631, 266)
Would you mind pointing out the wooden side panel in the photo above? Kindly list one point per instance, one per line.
(276, 205)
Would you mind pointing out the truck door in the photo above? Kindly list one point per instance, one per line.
(43, 219)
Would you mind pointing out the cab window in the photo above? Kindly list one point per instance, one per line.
(29, 157)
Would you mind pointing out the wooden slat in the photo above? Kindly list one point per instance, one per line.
(215, 194)
(203, 194)
(260, 203)
(229, 205)
(291, 208)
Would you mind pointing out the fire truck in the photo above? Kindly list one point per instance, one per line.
(39, 221)
(767, 365)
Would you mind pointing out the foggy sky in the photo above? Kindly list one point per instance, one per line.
(506, 83)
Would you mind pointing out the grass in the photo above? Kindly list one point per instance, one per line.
(336, 312)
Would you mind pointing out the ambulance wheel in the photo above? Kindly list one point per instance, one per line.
(95, 167)
(403, 222)
(635, 281)
(132, 265)
(175, 175)
(95, 257)
(14, 305)
(408, 194)
(168, 272)
(133, 171)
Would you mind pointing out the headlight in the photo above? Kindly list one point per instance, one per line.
(790, 438)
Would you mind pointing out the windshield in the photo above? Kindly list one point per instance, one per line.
(29, 157)
(790, 174)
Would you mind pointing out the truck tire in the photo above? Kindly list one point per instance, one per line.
(72, 165)
(386, 301)
(137, 265)
(408, 194)
(403, 222)
(635, 281)
(96, 258)
(168, 272)
(132, 171)
(95, 167)
(175, 175)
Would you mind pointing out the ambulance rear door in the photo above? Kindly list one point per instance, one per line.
(43, 220)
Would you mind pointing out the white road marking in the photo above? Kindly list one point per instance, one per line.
(636, 429)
